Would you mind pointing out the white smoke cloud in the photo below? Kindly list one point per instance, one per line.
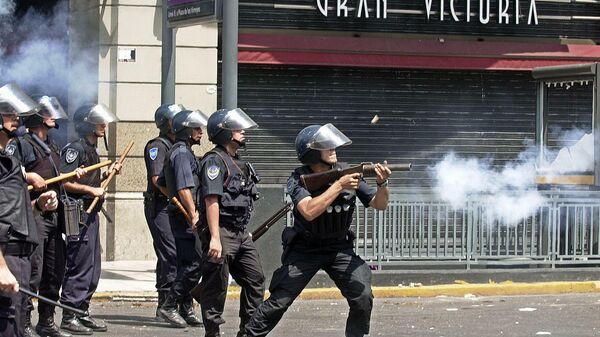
(7, 7)
(510, 193)
(576, 156)
(35, 55)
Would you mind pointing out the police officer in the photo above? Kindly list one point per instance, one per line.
(156, 202)
(18, 235)
(181, 179)
(82, 271)
(320, 237)
(39, 154)
(228, 189)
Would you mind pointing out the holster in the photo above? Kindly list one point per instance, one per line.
(149, 203)
(72, 214)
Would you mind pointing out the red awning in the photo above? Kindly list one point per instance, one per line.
(390, 52)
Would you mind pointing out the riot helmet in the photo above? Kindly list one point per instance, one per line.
(87, 116)
(186, 121)
(49, 108)
(314, 138)
(222, 122)
(164, 114)
(14, 102)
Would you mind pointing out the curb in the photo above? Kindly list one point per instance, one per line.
(455, 290)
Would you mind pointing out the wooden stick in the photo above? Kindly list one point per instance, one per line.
(65, 176)
(110, 176)
(182, 209)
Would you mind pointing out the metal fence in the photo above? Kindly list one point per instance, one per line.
(419, 229)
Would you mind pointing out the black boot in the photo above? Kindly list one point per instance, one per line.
(46, 326)
(162, 295)
(168, 311)
(71, 324)
(29, 332)
(93, 323)
(212, 333)
(186, 310)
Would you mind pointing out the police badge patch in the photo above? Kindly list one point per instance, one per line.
(10, 149)
(71, 155)
(213, 172)
(153, 152)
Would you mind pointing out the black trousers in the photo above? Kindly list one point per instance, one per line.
(13, 307)
(349, 272)
(189, 261)
(47, 263)
(82, 271)
(157, 218)
(241, 260)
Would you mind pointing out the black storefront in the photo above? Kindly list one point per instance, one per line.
(436, 85)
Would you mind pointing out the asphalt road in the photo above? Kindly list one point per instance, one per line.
(570, 315)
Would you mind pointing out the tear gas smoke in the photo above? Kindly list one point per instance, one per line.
(509, 193)
(34, 53)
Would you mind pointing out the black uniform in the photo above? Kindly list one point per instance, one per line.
(157, 216)
(83, 251)
(18, 239)
(228, 178)
(181, 172)
(324, 243)
(48, 260)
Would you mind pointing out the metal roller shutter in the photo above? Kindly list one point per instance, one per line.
(424, 114)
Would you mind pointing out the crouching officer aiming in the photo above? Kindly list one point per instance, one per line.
(228, 192)
(321, 236)
(39, 154)
(82, 271)
(156, 201)
(181, 179)
(18, 231)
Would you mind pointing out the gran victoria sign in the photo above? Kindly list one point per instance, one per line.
(484, 11)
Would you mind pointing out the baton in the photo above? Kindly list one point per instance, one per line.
(49, 301)
(73, 174)
(182, 209)
(110, 176)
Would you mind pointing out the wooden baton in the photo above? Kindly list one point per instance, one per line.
(65, 176)
(112, 174)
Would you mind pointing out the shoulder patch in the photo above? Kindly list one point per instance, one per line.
(213, 172)
(71, 155)
(153, 152)
(10, 149)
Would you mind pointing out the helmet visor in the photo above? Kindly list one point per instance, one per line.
(237, 119)
(196, 119)
(51, 108)
(22, 104)
(100, 114)
(328, 137)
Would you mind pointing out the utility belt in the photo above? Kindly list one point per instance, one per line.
(158, 197)
(307, 238)
(17, 248)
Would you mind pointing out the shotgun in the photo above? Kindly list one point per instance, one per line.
(315, 181)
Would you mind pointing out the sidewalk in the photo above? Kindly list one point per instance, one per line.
(134, 281)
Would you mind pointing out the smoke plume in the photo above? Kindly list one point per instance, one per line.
(509, 193)
(34, 53)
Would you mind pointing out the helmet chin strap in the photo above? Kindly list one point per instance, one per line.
(241, 144)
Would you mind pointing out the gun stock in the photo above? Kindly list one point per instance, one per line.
(316, 181)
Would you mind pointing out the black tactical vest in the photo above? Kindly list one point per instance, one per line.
(16, 218)
(335, 222)
(239, 192)
(46, 162)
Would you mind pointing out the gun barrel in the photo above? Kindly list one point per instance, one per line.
(400, 167)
